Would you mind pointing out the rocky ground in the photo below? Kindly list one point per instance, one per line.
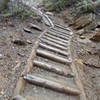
(15, 48)
(86, 52)
(16, 45)
(87, 56)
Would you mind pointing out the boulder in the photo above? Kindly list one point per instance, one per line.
(86, 21)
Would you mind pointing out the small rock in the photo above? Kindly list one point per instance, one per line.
(21, 55)
(35, 27)
(97, 29)
(29, 42)
(82, 37)
(1, 56)
(4, 28)
(11, 24)
(49, 13)
(27, 30)
(80, 32)
(2, 92)
(84, 41)
(93, 62)
(19, 42)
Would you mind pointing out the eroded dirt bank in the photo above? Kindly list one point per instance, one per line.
(86, 55)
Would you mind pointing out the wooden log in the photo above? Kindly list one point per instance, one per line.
(62, 27)
(55, 41)
(21, 83)
(58, 35)
(54, 49)
(33, 53)
(53, 44)
(19, 98)
(35, 26)
(57, 38)
(53, 57)
(19, 87)
(27, 30)
(56, 32)
(32, 56)
(62, 34)
(57, 86)
(52, 68)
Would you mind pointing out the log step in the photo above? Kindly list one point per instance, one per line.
(60, 31)
(62, 27)
(51, 84)
(56, 41)
(59, 35)
(65, 37)
(50, 30)
(51, 56)
(54, 49)
(53, 68)
(57, 38)
(53, 44)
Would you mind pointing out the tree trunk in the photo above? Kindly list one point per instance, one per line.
(3, 4)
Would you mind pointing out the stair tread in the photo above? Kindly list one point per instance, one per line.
(62, 27)
(57, 38)
(62, 31)
(59, 35)
(55, 41)
(51, 83)
(56, 50)
(53, 44)
(52, 56)
(53, 68)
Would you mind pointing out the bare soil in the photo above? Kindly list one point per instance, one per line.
(86, 54)
(12, 54)
(13, 57)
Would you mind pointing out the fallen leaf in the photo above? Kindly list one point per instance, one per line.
(79, 61)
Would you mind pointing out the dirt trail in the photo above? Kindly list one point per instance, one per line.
(86, 77)
(13, 57)
(49, 66)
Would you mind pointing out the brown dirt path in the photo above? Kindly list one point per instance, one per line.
(13, 57)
